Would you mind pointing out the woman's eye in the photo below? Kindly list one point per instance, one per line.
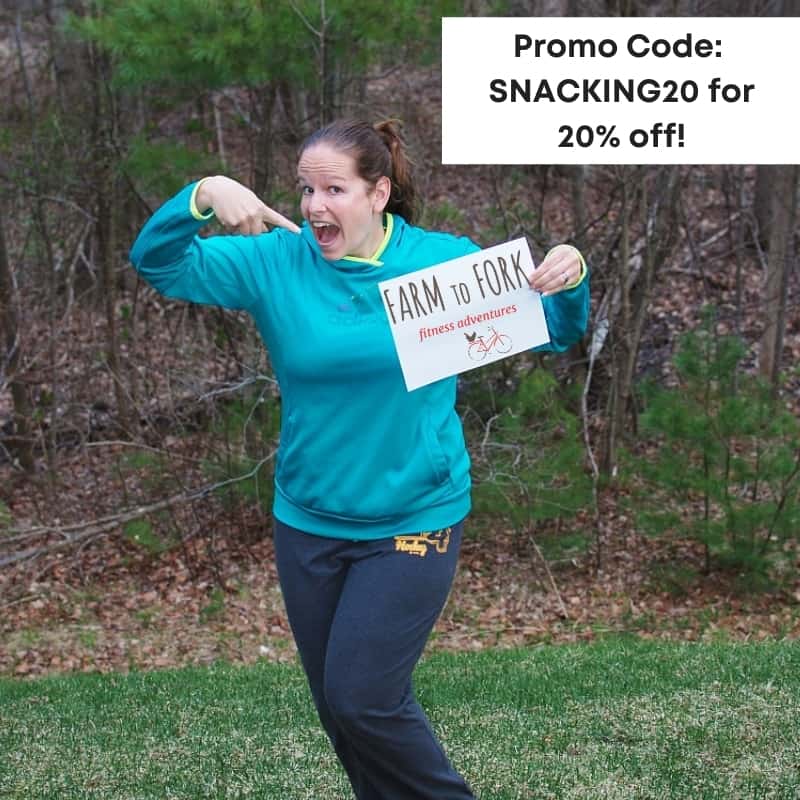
(334, 189)
(306, 190)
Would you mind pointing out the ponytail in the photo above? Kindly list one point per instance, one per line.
(404, 199)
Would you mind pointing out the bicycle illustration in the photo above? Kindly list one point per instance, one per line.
(479, 347)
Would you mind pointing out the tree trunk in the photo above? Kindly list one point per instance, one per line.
(779, 266)
(762, 204)
(221, 151)
(40, 217)
(106, 195)
(618, 356)
(263, 110)
(657, 209)
(21, 442)
(578, 182)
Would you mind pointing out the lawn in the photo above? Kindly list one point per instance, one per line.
(622, 718)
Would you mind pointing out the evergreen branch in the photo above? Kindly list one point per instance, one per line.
(304, 19)
(787, 485)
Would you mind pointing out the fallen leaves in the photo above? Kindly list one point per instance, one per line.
(149, 614)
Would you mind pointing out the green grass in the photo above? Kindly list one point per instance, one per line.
(619, 719)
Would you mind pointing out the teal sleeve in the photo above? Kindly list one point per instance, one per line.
(228, 271)
(567, 315)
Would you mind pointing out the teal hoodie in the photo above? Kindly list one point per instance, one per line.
(360, 457)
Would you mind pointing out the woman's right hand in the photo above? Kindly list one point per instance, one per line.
(238, 208)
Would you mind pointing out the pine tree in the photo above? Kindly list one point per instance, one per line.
(727, 471)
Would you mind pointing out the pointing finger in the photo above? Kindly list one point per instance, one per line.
(275, 219)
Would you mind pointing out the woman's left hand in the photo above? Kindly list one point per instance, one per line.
(561, 268)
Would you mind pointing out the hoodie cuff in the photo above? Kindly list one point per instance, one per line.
(196, 213)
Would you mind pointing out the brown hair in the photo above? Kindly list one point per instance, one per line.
(377, 150)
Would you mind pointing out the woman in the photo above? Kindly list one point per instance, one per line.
(371, 481)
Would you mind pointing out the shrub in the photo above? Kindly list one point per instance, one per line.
(728, 462)
(528, 463)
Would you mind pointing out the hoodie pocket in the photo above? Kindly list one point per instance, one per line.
(436, 453)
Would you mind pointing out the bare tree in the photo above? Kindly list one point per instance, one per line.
(321, 43)
(648, 230)
(779, 265)
(43, 230)
(103, 134)
(20, 442)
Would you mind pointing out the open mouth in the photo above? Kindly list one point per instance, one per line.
(325, 232)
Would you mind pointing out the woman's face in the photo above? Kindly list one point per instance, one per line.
(343, 210)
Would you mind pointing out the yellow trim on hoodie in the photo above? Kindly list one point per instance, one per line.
(196, 213)
(381, 247)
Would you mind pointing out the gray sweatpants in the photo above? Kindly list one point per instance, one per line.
(361, 613)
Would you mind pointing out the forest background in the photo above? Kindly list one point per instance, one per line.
(647, 481)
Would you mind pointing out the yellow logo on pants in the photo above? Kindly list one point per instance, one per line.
(418, 544)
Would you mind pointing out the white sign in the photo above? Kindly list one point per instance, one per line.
(464, 313)
(614, 90)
